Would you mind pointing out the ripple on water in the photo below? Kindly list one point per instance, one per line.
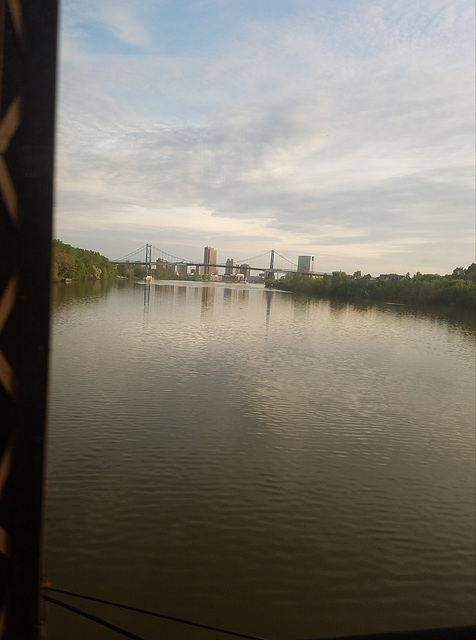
(309, 471)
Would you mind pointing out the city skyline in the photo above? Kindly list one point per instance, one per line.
(340, 130)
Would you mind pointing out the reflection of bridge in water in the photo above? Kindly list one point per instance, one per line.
(232, 293)
(144, 257)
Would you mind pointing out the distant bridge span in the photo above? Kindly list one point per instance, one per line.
(148, 263)
(197, 264)
(224, 266)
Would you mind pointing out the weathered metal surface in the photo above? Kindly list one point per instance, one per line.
(28, 37)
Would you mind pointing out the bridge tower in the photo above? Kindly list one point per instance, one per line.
(148, 260)
(271, 262)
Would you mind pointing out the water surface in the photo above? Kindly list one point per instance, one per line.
(255, 460)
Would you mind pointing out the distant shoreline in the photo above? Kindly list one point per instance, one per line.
(456, 291)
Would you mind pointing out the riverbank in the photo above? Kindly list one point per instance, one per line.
(420, 290)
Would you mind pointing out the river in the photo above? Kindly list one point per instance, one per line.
(254, 460)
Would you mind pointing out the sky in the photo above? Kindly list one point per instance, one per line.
(342, 129)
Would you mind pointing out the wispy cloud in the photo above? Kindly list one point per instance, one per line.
(341, 129)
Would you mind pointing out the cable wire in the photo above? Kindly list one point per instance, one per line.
(172, 258)
(129, 255)
(266, 253)
(145, 612)
(169, 255)
(96, 619)
(278, 254)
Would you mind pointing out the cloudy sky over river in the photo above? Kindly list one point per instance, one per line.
(338, 128)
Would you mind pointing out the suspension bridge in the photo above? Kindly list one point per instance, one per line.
(268, 262)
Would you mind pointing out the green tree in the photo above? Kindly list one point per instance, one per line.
(459, 273)
(457, 290)
(61, 264)
(163, 274)
(139, 271)
(125, 270)
(471, 272)
(72, 262)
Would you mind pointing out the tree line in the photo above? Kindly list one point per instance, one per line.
(73, 263)
(457, 289)
(69, 262)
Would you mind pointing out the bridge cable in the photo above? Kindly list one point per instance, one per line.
(170, 255)
(132, 253)
(254, 257)
(178, 259)
(278, 254)
(137, 610)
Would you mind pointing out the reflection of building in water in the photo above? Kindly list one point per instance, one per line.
(172, 290)
(268, 305)
(229, 295)
(301, 307)
(166, 290)
(209, 257)
(208, 297)
(182, 292)
(235, 295)
(147, 296)
(305, 264)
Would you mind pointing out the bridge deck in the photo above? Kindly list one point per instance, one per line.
(222, 266)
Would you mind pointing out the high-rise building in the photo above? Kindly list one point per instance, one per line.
(245, 270)
(164, 265)
(209, 257)
(231, 265)
(184, 269)
(305, 264)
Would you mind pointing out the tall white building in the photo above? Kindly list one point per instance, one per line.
(305, 264)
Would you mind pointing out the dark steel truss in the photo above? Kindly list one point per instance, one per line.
(28, 36)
